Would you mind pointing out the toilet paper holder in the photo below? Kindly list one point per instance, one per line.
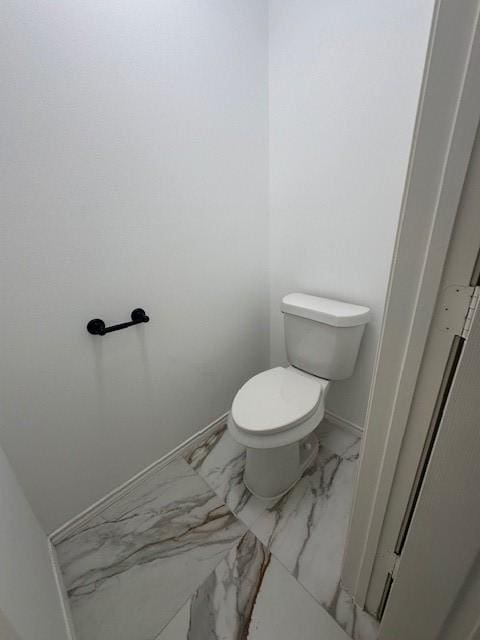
(97, 326)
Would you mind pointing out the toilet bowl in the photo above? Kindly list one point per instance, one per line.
(275, 413)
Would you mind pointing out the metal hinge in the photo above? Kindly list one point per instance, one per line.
(472, 307)
(391, 575)
(396, 564)
(454, 309)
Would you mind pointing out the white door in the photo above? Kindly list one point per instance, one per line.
(435, 594)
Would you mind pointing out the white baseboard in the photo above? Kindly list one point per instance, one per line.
(67, 529)
(337, 420)
(62, 594)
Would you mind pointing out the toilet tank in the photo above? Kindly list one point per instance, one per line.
(323, 336)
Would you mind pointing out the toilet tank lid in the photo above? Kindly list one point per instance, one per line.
(332, 312)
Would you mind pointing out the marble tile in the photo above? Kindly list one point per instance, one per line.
(338, 440)
(170, 560)
(357, 623)
(131, 568)
(220, 461)
(250, 596)
(306, 531)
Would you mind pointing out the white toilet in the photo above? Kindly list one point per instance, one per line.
(275, 413)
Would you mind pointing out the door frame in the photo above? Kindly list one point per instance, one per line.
(437, 581)
(447, 119)
(443, 348)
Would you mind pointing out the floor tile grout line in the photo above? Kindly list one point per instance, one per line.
(84, 526)
(181, 459)
(248, 526)
(344, 458)
(156, 637)
(268, 548)
(247, 529)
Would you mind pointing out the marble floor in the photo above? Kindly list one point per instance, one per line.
(190, 554)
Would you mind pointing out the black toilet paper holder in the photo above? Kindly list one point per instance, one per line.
(97, 326)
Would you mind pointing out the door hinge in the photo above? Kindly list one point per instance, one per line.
(391, 575)
(454, 309)
(472, 307)
(395, 565)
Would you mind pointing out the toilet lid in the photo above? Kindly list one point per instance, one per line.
(276, 400)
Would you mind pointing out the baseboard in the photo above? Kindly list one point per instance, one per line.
(351, 427)
(62, 594)
(67, 529)
(77, 522)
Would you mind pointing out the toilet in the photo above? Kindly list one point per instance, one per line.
(275, 413)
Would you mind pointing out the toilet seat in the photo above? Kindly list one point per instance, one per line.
(277, 400)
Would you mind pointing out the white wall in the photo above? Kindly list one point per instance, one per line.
(344, 86)
(29, 600)
(135, 167)
(134, 140)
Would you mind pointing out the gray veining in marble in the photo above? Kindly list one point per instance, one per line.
(220, 461)
(170, 560)
(337, 440)
(309, 524)
(131, 568)
(306, 530)
(250, 596)
(357, 623)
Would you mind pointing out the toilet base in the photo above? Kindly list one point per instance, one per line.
(271, 473)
